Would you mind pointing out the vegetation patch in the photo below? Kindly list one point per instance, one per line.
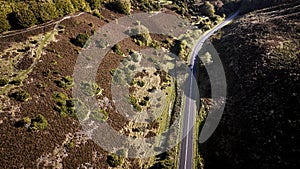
(37, 123)
(99, 115)
(68, 106)
(114, 160)
(65, 82)
(90, 89)
(20, 95)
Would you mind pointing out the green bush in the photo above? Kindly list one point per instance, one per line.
(99, 115)
(114, 160)
(65, 82)
(20, 95)
(90, 89)
(122, 6)
(141, 35)
(64, 7)
(4, 24)
(94, 4)
(81, 39)
(38, 123)
(22, 18)
(81, 5)
(117, 49)
(208, 9)
(3, 82)
(46, 12)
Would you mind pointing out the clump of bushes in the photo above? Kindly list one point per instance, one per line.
(22, 18)
(81, 39)
(65, 82)
(20, 95)
(99, 115)
(134, 103)
(114, 160)
(37, 123)
(141, 35)
(90, 89)
(122, 6)
(94, 4)
(68, 106)
(3, 81)
(117, 49)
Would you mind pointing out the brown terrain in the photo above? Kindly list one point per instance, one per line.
(260, 125)
(54, 146)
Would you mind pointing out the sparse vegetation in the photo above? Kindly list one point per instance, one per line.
(68, 106)
(122, 6)
(81, 39)
(99, 115)
(65, 82)
(90, 89)
(117, 49)
(114, 160)
(3, 81)
(37, 123)
(20, 95)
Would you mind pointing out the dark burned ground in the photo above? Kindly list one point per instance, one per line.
(260, 125)
(20, 148)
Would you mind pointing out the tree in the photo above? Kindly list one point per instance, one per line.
(122, 6)
(81, 39)
(81, 5)
(94, 4)
(47, 11)
(208, 9)
(4, 24)
(64, 7)
(114, 160)
(22, 18)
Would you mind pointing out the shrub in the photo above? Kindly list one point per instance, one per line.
(47, 11)
(208, 9)
(122, 6)
(114, 160)
(141, 35)
(22, 18)
(97, 13)
(4, 24)
(90, 89)
(20, 95)
(64, 7)
(65, 82)
(3, 82)
(38, 123)
(68, 106)
(134, 103)
(117, 49)
(99, 115)
(81, 39)
(15, 82)
(94, 4)
(81, 5)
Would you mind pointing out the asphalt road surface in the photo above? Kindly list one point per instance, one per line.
(186, 148)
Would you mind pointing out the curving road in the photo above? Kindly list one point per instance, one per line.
(186, 147)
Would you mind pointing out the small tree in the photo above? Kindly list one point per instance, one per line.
(23, 18)
(94, 4)
(114, 160)
(4, 24)
(122, 6)
(81, 39)
(208, 9)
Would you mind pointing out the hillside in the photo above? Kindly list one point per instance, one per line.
(260, 125)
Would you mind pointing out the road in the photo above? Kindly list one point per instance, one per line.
(186, 147)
